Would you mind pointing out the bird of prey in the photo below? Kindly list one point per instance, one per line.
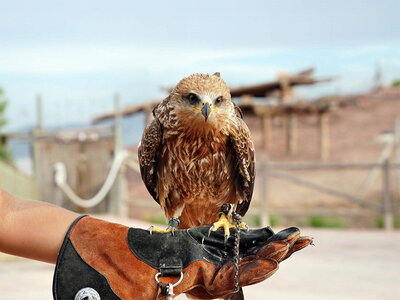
(197, 154)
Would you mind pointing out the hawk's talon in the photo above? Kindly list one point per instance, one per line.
(210, 230)
(226, 237)
(154, 228)
(224, 223)
(173, 224)
(171, 229)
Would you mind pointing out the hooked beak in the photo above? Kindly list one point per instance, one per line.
(206, 110)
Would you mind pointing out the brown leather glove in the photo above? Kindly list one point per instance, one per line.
(117, 262)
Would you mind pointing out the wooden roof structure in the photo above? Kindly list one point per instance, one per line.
(262, 90)
(127, 111)
(257, 108)
(281, 109)
(283, 82)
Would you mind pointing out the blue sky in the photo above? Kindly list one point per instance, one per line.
(77, 54)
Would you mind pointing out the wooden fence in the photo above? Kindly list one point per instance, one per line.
(277, 170)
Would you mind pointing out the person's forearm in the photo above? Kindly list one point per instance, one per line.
(32, 229)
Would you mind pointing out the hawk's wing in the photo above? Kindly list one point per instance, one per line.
(147, 152)
(244, 150)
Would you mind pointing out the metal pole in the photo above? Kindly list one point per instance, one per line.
(387, 209)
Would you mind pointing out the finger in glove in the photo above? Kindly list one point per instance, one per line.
(300, 243)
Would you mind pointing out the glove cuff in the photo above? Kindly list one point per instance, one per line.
(73, 275)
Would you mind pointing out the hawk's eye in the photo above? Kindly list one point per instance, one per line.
(219, 100)
(193, 98)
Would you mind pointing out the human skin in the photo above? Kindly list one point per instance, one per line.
(32, 229)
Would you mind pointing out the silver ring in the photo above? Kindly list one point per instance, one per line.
(173, 285)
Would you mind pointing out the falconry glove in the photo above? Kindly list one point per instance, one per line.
(103, 260)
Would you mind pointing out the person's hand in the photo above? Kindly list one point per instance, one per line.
(121, 263)
(261, 251)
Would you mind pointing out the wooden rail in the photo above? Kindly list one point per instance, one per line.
(274, 169)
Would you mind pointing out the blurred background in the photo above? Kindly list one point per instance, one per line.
(318, 83)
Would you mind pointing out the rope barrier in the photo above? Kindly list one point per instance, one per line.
(60, 178)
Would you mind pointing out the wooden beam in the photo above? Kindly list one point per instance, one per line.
(315, 186)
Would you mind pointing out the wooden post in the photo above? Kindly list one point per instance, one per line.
(324, 142)
(291, 134)
(264, 217)
(286, 89)
(117, 123)
(266, 132)
(116, 204)
(39, 112)
(35, 144)
(396, 140)
(149, 115)
(387, 207)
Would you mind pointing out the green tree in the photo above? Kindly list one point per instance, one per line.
(4, 151)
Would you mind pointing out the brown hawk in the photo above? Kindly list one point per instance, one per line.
(197, 154)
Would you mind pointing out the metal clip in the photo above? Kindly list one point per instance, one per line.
(170, 292)
(170, 286)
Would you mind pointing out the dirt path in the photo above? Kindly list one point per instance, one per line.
(343, 265)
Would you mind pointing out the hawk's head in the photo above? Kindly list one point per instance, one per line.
(203, 100)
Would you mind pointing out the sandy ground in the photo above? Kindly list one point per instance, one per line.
(344, 264)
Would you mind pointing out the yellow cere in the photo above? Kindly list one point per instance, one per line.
(199, 110)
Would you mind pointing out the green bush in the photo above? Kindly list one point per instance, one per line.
(379, 222)
(156, 219)
(5, 154)
(255, 220)
(274, 220)
(325, 222)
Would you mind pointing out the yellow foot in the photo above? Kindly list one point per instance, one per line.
(154, 228)
(172, 226)
(224, 223)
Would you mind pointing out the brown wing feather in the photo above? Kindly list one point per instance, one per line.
(147, 152)
(238, 111)
(244, 150)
